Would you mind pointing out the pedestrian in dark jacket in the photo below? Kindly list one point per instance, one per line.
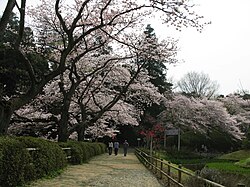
(125, 147)
(116, 147)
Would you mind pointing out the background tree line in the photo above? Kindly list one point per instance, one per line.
(79, 72)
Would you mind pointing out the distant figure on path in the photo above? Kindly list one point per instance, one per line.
(110, 147)
(125, 147)
(116, 147)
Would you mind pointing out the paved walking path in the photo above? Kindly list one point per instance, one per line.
(104, 171)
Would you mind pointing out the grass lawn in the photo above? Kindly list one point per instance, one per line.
(237, 155)
(229, 167)
(233, 168)
(235, 162)
(239, 162)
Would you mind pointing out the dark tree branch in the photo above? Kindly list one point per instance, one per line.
(6, 15)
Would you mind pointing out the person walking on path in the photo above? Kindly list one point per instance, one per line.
(116, 147)
(125, 147)
(110, 147)
(104, 171)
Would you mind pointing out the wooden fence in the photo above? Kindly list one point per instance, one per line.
(172, 173)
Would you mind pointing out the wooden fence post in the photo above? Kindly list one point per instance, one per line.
(156, 165)
(161, 168)
(179, 174)
(169, 173)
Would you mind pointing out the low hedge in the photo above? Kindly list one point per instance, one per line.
(19, 166)
(49, 158)
(81, 152)
(15, 163)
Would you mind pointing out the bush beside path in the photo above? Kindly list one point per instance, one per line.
(104, 171)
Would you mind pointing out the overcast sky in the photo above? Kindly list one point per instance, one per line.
(222, 50)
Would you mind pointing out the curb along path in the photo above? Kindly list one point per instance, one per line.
(104, 171)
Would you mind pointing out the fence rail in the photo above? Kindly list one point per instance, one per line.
(164, 168)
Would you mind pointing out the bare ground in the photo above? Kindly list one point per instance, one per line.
(104, 171)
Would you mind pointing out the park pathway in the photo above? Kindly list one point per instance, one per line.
(104, 171)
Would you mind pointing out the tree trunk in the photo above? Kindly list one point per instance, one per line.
(6, 16)
(5, 116)
(81, 132)
(63, 133)
(63, 128)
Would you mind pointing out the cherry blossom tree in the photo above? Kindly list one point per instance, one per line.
(239, 109)
(76, 77)
(84, 112)
(91, 91)
(65, 35)
(200, 115)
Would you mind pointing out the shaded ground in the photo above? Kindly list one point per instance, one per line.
(104, 171)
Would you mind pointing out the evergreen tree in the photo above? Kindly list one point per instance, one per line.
(14, 78)
(157, 69)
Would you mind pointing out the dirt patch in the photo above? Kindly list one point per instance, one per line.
(104, 171)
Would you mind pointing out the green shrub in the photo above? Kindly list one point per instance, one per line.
(79, 152)
(244, 163)
(18, 165)
(236, 156)
(92, 149)
(246, 144)
(103, 147)
(48, 159)
(215, 140)
(75, 152)
(15, 163)
(97, 148)
(228, 167)
(82, 151)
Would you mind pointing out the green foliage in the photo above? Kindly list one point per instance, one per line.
(244, 163)
(246, 144)
(222, 141)
(229, 167)
(187, 158)
(19, 166)
(237, 155)
(82, 151)
(225, 179)
(215, 141)
(76, 152)
(193, 139)
(11, 34)
(235, 162)
(233, 168)
(14, 78)
(246, 141)
(156, 69)
(102, 146)
(16, 165)
(48, 159)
